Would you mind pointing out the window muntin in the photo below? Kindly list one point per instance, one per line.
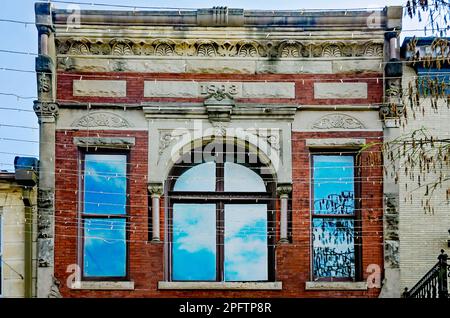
(104, 216)
(334, 224)
(252, 207)
(194, 242)
(246, 254)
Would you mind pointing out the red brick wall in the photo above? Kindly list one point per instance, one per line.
(146, 259)
(304, 86)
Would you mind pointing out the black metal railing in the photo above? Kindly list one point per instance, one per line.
(434, 283)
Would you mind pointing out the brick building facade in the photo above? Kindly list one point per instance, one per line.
(297, 94)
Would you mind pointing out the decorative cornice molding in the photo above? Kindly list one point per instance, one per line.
(218, 48)
(101, 119)
(337, 121)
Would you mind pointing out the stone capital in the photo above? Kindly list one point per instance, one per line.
(284, 189)
(156, 189)
(45, 109)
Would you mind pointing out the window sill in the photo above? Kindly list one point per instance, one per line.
(103, 285)
(336, 286)
(221, 285)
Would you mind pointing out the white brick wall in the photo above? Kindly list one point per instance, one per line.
(422, 235)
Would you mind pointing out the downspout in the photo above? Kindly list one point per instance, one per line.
(28, 275)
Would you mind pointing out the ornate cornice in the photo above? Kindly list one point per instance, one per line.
(218, 48)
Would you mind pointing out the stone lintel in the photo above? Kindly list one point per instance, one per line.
(105, 142)
(336, 143)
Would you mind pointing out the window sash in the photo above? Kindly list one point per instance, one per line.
(355, 217)
(220, 198)
(102, 216)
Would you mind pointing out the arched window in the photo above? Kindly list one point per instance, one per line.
(221, 218)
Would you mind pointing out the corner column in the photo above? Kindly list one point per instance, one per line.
(46, 110)
(156, 191)
(283, 191)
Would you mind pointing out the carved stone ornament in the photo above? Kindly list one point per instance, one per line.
(156, 189)
(166, 137)
(225, 48)
(45, 109)
(337, 121)
(284, 189)
(271, 136)
(101, 119)
(54, 290)
(44, 83)
(220, 128)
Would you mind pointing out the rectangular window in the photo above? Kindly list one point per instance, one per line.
(104, 216)
(334, 217)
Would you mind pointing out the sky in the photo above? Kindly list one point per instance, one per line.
(23, 140)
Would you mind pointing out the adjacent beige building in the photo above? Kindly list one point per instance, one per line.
(423, 229)
(17, 201)
(423, 233)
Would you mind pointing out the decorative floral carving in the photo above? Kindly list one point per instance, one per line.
(290, 49)
(79, 48)
(374, 50)
(185, 48)
(166, 138)
(332, 51)
(101, 119)
(227, 49)
(206, 50)
(122, 47)
(337, 121)
(100, 48)
(232, 48)
(248, 50)
(163, 49)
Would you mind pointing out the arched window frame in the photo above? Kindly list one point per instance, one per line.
(220, 198)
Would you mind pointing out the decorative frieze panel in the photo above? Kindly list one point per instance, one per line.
(337, 121)
(218, 48)
(101, 119)
(234, 89)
